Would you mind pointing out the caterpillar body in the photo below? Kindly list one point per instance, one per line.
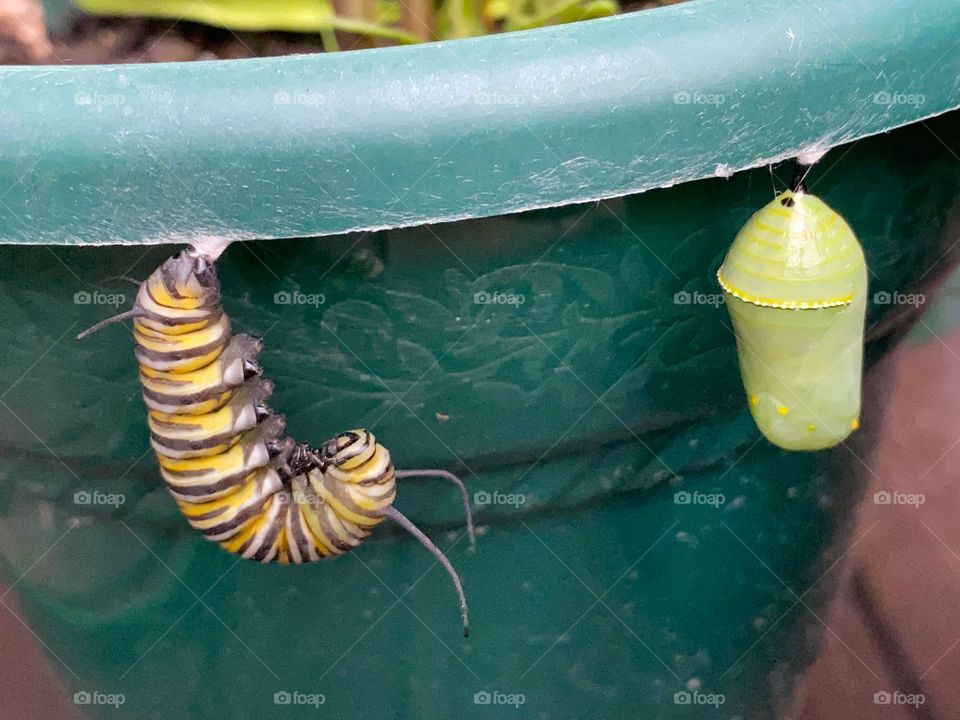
(795, 284)
(221, 449)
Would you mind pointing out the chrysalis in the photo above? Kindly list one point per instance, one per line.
(795, 283)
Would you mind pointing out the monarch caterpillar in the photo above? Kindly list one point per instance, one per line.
(220, 448)
(795, 284)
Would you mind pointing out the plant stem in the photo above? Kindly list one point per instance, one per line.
(361, 27)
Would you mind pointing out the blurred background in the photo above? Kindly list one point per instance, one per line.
(181, 30)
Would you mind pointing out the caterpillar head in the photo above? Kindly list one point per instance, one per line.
(356, 456)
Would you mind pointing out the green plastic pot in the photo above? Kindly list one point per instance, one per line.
(571, 363)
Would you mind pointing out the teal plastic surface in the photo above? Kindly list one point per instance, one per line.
(313, 145)
(602, 594)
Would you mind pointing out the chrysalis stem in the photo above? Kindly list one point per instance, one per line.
(210, 246)
(799, 182)
(468, 513)
(399, 518)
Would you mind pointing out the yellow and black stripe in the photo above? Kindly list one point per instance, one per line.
(219, 445)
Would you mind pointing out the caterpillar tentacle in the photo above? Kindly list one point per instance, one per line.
(221, 449)
(400, 519)
(468, 513)
(135, 312)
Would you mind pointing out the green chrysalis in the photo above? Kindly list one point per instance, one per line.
(795, 283)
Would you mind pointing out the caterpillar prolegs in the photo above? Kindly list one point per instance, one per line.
(221, 449)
